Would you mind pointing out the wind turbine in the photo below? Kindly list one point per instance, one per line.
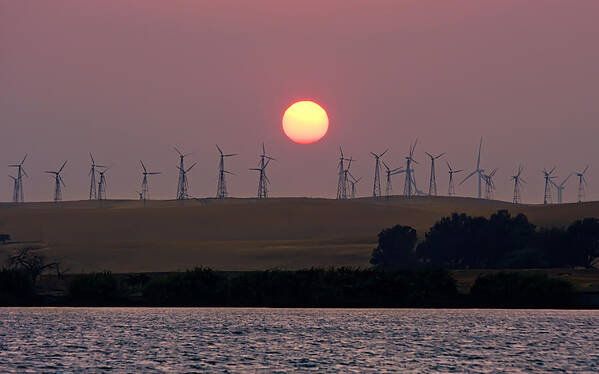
(345, 177)
(547, 195)
(410, 182)
(353, 181)
(582, 181)
(263, 180)
(451, 188)
(518, 180)
(390, 172)
(342, 179)
(376, 188)
(92, 178)
(489, 185)
(560, 187)
(221, 188)
(57, 182)
(14, 188)
(182, 182)
(145, 189)
(102, 185)
(19, 194)
(478, 171)
(432, 186)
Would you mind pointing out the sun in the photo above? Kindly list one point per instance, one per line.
(305, 122)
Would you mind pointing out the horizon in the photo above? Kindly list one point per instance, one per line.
(130, 80)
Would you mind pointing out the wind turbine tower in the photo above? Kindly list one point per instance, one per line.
(409, 182)
(390, 172)
(376, 188)
(518, 180)
(58, 181)
(263, 180)
(489, 185)
(18, 194)
(182, 185)
(102, 185)
(342, 179)
(547, 195)
(145, 189)
(560, 188)
(582, 181)
(14, 189)
(478, 171)
(93, 194)
(353, 181)
(451, 188)
(221, 188)
(432, 186)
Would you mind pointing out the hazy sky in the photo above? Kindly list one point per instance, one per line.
(130, 79)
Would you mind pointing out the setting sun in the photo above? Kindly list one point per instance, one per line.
(305, 122)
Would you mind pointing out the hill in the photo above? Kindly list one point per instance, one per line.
(238, 234)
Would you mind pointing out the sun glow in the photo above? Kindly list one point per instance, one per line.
(305, 122)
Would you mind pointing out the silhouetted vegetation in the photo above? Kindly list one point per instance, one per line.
(396, 248)
(31, 262)
(501, 241)
(198, 287)
(94, 289)
(343, 287)
(521, 290)
(16, 288)
(4, 238)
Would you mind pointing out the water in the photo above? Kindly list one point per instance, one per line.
(292, 340)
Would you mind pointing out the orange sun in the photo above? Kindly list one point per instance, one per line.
(305, 122)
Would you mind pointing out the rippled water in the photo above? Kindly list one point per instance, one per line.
(291, 340)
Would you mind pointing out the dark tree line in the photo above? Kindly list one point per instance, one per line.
(501, 241)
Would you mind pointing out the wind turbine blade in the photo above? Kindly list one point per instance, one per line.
(381, 155)
(228, 172)
(178, 151)
(479, 148)
(429, 155)
(188, 169)
(154, 173)
(341, 151)
(448, 166)
(585, 169)
(230, 154)
(143, 166)
(254, 169)
(551, 171)
(50, 172)
(61, 181)
(386, 166)
(62, 167)
(24, 158)
(469, 175)
(375, 155)
(92, 157)
(217, 147)
(457, 171)
(263, 149)
(24, 172)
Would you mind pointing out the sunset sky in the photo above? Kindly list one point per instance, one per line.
(128, 80)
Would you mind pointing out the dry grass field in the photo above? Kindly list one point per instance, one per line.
(237, 234)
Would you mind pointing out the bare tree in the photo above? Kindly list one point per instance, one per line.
(32, 263)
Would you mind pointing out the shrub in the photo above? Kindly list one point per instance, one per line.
(16, 288)
(94, 289)
(198, 287)
(521, 290)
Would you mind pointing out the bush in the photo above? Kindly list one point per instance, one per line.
(16, 288)
(94, 289)
(521, 290)
(198, 287)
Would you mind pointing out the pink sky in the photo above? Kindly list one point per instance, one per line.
(130, 79)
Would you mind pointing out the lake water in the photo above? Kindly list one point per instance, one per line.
(292, 340)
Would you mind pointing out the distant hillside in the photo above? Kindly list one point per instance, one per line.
(238, 234)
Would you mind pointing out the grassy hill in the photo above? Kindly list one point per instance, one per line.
(238, 234)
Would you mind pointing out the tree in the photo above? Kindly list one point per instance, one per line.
(395, 248)
(32, 263)
(4, 238)
(583, 237)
